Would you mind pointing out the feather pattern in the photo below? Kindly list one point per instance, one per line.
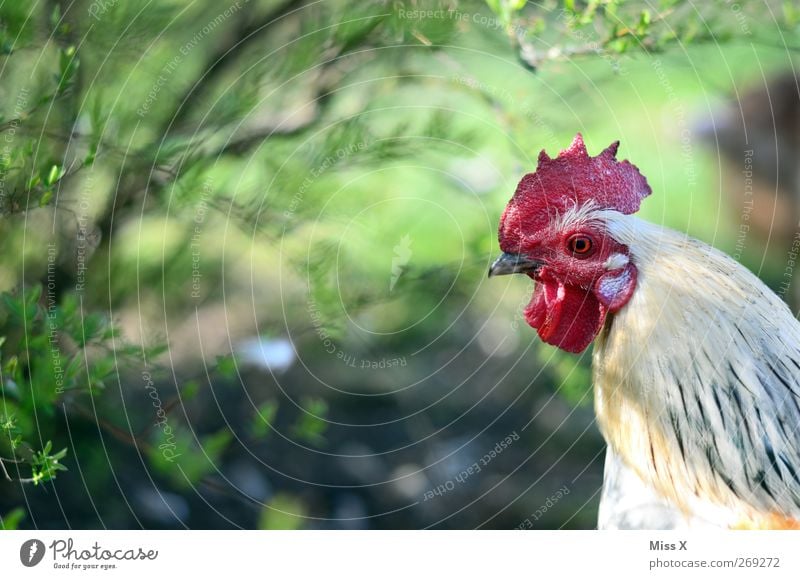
(697, 379)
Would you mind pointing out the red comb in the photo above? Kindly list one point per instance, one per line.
(571, 179)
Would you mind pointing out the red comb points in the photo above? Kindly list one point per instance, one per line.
(571, 179)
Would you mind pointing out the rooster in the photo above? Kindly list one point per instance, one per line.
(696, 363)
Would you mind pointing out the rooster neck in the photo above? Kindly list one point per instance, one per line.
(695, 389)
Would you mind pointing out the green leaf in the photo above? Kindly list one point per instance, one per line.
(11, 367)
(101, 368)
(311, 425)
(68, 65)
(215, 444)
(75, 366)
(198, 462)
(45, 466)
(12, 519)
(644, 23)
(264, 418)
(91, 155)
(14, 306)
(284, 512)
(54, 175)
(8, 423)
(226, 366)
(791, 14)
(33, 294)
(46, 197)
(190, 390)
(55, 15)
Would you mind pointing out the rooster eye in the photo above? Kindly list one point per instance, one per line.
(580, 245)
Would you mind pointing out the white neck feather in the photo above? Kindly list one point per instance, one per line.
(697, 378)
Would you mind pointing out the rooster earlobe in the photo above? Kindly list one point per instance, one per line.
(611, 150)
(615, 288)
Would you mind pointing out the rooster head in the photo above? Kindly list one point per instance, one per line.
(549, 231)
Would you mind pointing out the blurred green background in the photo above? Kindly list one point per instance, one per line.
(245, 248)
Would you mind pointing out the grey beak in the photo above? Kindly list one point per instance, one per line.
(513, 263)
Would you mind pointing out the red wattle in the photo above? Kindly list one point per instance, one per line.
(565, 316)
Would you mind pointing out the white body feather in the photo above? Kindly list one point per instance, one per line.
(627, 502)
(697, 379)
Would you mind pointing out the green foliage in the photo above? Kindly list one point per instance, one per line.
(11, 431)
(507, 9)
(45, 465)
(49, 353)
(277, 158)
(226, 366)
(263, 420)
(791, 14)
(284, 512)
(12, 519)
(311, 423)
(576, 28)
(191, 458)
(572, 378)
